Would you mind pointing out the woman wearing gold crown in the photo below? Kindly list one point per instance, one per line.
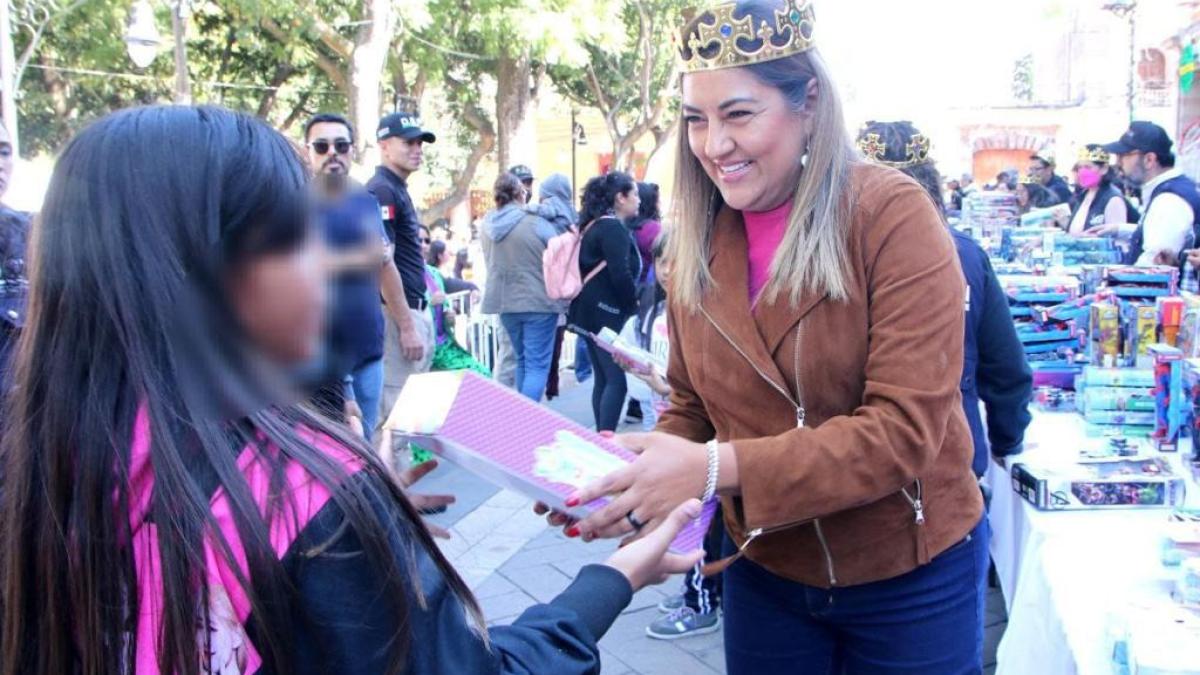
(1103, 209)
(817, 342)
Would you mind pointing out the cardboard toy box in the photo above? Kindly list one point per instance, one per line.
(1118, 484)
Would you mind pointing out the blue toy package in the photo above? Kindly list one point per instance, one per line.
(1168, 396)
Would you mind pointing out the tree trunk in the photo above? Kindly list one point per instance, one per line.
(366, 74)
(297, 111)
(183, 82)
(460, 189)
(513, 96)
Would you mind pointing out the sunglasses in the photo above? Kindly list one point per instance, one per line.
(340, 146)
(424, 240)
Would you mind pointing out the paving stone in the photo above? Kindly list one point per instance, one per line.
(542, 582)
(505, 605)
(493, 585)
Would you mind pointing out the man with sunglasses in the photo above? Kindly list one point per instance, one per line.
(410, 341)
(362, 267)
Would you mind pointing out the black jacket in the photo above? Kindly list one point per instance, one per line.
(994, 366)
(611, 298)
(343, 627)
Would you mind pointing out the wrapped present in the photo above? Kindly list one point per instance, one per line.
(1120, 483)
(469, 420)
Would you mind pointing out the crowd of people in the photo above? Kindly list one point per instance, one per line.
(210, 339)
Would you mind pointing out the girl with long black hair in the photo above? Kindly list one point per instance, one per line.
(165, 507)
(610, 297)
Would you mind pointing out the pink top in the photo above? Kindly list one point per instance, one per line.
(764, 232)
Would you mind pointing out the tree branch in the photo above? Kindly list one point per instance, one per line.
(336, 75)
(474, 116)
(340, 45)
(35, 40)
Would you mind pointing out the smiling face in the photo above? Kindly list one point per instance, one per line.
(746, 135)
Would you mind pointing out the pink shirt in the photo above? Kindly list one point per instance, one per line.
(764, 232)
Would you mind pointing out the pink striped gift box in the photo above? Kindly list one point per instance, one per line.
(508, 440)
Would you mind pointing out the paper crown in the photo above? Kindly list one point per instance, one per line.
(1096, 154)
(711, 38)
(916, 151)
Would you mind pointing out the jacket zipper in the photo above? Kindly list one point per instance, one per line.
(917, 504)
(798, 403)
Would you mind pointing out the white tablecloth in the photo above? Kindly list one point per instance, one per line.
(1065, 574)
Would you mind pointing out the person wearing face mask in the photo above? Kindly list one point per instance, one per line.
(1102, 207)
(816, 319)
(1171, 204)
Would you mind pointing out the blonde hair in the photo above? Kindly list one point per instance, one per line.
(812, 254)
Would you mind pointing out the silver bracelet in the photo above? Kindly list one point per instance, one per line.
(714, 470)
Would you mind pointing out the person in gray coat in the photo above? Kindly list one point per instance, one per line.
(516, 288)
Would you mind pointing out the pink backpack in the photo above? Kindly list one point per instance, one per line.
(560, 266)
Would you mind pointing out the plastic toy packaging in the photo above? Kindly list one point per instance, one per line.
(1120, 483)
(1169, 408)
(1054, 399)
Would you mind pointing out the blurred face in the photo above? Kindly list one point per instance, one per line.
(1022, 195)
(401, 155)
(627, 204)
(6, 160)
(330, 149)
(280, 300)
(747, 137)
(426, 240)
(1135, 168)
(1040, 171)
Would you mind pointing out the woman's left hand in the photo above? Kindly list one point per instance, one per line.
(668, 472)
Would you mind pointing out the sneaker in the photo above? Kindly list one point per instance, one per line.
(671, 604)
(682, 623)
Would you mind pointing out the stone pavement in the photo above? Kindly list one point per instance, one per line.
(512, 560)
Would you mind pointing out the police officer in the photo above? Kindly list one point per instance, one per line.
(410, 338)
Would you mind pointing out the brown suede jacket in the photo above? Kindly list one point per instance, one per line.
(878, 479)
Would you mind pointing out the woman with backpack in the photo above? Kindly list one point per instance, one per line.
(166, 506)
(516, 287)
(610, 264)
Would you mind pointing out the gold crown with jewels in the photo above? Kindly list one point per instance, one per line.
(1097, 155)
(874, 149)
(711, 38)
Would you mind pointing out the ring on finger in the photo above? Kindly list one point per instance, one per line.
(637, 524)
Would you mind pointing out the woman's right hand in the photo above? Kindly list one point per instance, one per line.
(646, 561)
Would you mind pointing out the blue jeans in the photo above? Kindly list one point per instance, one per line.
(583, 363)
(532, 337)
(367, 381)
(926, 622)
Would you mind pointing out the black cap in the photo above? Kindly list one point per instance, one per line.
(1142, 137)
(522, 172)
(406, 125)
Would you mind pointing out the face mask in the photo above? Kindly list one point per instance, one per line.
(1089, 177)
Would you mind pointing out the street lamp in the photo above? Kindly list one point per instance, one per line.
(1126, 9)
(141, 35)
(578, 137)
(142, 41)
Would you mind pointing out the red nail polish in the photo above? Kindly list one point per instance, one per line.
(572, 502)
(572, 531)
